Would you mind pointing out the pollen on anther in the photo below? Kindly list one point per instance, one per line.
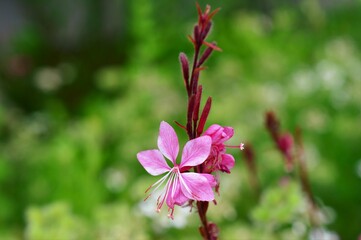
(148, 188)
(170, 213)
(145, 199)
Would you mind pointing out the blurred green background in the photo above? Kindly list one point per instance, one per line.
(85, 84)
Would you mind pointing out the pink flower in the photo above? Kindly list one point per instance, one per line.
(180, 186)
(218, 159)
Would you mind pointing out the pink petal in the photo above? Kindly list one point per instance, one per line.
(153, 162)
(196, 151)
(195, 186)
(228, 132)
(211, 179)
(168, 141)
(214, 131)
(219, 134)
(227, 163)
(175, 195)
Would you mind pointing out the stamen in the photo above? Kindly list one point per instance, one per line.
(148, 188)
(159, 182)
(166, 191)
(174, 186)
(146, 198)
(158, 200)
(170, 214)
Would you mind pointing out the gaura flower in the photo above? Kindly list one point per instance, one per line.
(180, 185)
(218, 159)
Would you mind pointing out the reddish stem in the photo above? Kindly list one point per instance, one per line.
(194, 92)
(202, 210)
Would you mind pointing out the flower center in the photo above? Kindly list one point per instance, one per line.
(170, 187)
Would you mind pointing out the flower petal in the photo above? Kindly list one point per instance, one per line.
(227, 163)
(219, 134)
(175, 195)
(211, 179)
(168, 141)
(214, 131)
(196, 151)
(228, 132)
(153, 162)
(195, 186)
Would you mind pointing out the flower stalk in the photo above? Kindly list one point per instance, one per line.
(294, 156)
(204, 153)
(195, 124)
(195, 120)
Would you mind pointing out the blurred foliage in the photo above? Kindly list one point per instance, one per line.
(83, 87)
(285, 202)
